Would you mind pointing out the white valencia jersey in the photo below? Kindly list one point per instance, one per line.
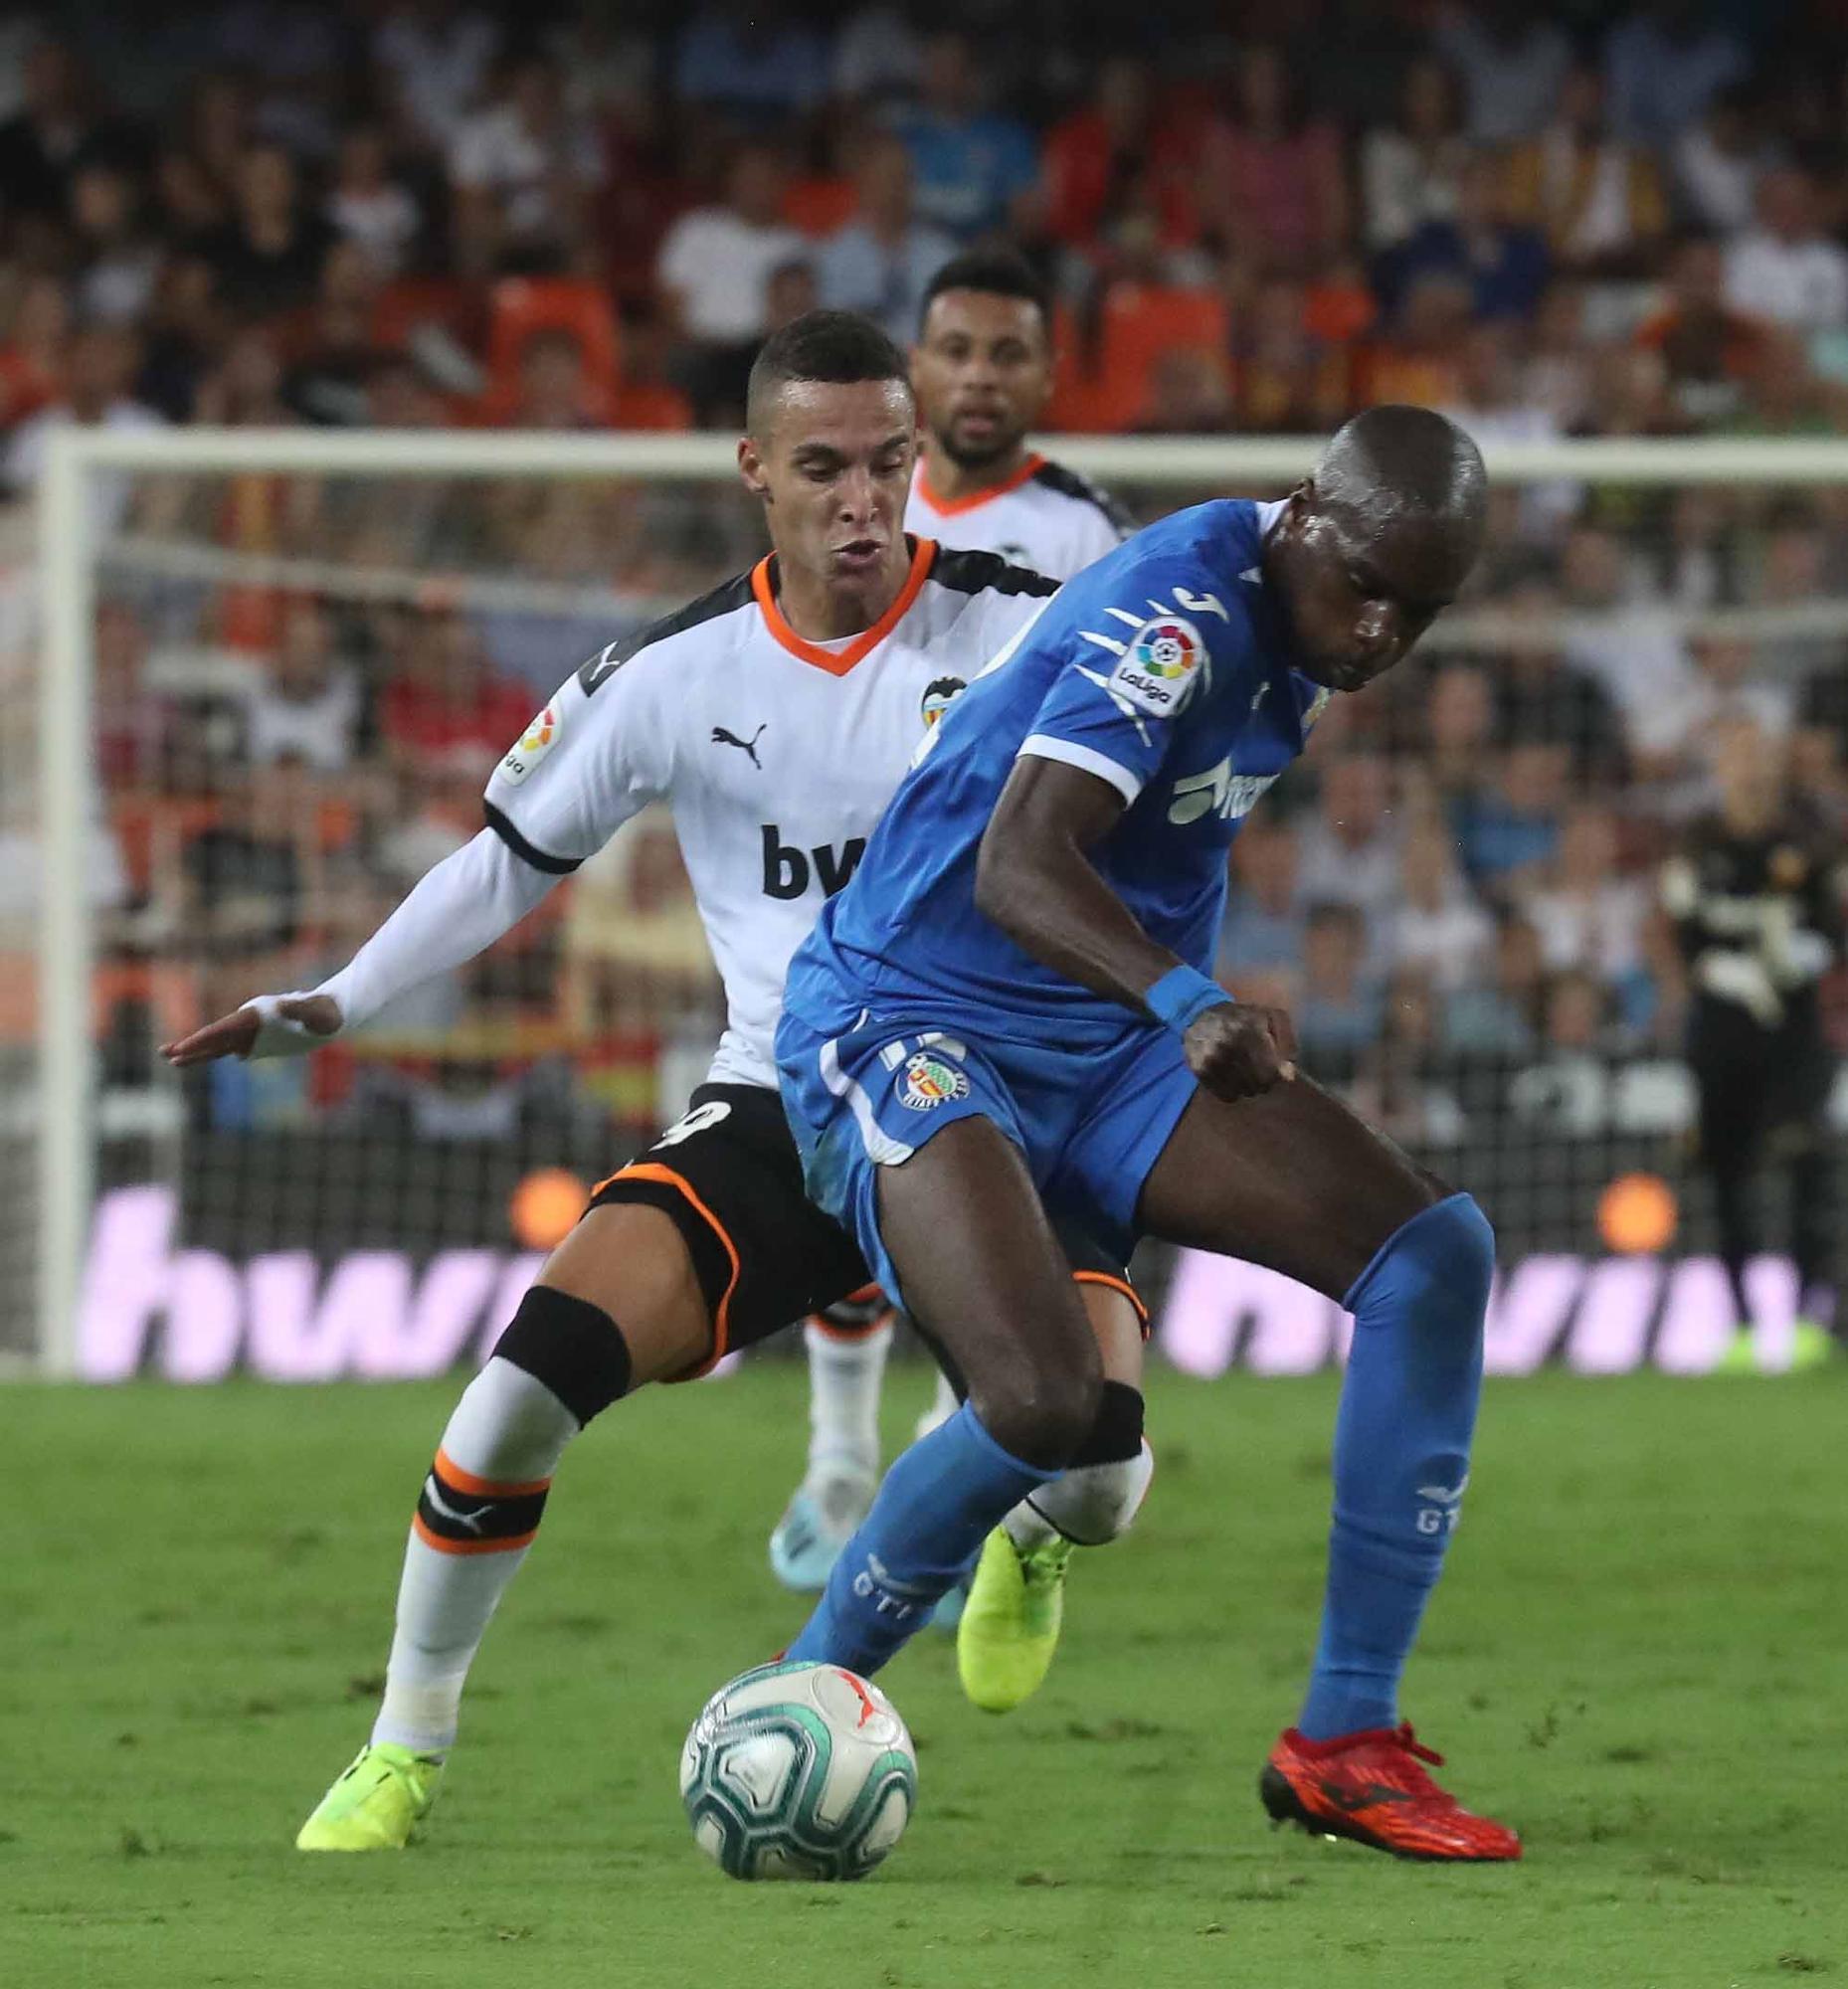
(1044, 517)
(777, 755)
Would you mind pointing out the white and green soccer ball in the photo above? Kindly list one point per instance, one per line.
(798, 1771)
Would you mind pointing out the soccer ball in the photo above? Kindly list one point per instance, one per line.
(798, 1772)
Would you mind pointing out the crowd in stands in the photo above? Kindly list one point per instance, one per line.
(1561, 220)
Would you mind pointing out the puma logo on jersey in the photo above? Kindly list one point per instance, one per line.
(789, 871)
(1219, 792)
(720, 737)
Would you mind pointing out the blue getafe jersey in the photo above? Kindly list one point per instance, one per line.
(1163, 670)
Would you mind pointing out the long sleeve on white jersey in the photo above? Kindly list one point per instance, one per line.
(459, 909)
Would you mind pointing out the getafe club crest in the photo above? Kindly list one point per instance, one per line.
(927, 1081)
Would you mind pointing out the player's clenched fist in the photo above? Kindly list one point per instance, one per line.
(271, 1025)
(1238, 1049)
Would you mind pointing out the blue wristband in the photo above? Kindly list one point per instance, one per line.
(1182, 994)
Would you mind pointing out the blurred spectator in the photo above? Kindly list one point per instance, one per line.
(1418, 358)
(1494, 1020)
(1566, 1090)
(1663, 65)
(1540, 695)
(268, 256)
(877, 56)
(1556, 362)
(520, 171)
(251, 869)
(1410, 168)
(1695, 566)
(328, 353)
(635, 944)
(974, 166)
(880, 261)
(1597, 199)
(1124, 149)
(1629, 396)
(1457, 714)
(444, 701)
(1338, 1012)
(1435, 926)
(1675, 739)
(751, 56)
(1189, 394)
(1491, 406)
(31, 348)
(99, 368)
(1717, 160)
(716, 266)
(1622, 638)
(184, 332)
(1780, 393)
(1502, 262)
(1511, 824)
(1286, 380)
(305, 706)
(1707, 346)
(1272, 186)
(244, 389)
(1392, 1089)
(790, 292)
(119, 260)
(54, 135)
(553, 390)
(1264, 929)
(1513, 62)
(1350, 850)
(133, 723)
(1786, 267)
(367, 205)
(1587, 916)
(434, 56)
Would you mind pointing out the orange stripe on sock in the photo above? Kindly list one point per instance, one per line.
(444, 1546)
(1115, 1283)
(849, 1335)
(452, 1473)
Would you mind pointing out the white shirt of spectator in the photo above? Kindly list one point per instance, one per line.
(439, 68)
(721, 265)
(1803, 284)
(109, 493)
(496, 152)
(316, 731)
(776, 757)
(1045, 518)
(382, 223)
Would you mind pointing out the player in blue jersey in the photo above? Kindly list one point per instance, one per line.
(1008, 1014)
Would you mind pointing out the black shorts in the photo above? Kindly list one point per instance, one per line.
(729, 1177)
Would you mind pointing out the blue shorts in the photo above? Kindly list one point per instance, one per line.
(1091, 1121)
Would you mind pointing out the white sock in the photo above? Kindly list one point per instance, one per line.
(845, 1376)
(942, 1405)
(1089, 1505)
(507, 1433)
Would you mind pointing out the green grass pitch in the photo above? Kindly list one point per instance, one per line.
(1640, 1657)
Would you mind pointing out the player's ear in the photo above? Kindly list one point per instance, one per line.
(751, 468)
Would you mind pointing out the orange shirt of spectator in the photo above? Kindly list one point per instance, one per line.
(1117, 144)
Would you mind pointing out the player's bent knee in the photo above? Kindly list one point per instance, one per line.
(1042, 1418)
(571, 1346)
(1094, 1504)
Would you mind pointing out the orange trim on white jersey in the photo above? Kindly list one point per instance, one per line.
(837, 663)
(951, 508)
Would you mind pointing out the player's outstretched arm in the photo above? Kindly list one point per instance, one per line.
(459, 909)
(1034, 880)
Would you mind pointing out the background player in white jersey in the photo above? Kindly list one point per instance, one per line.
(777, 715)
(982, 370)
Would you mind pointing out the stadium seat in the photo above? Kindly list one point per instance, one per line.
(520, 306)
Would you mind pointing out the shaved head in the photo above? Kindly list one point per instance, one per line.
(1394, 462)
(1378, 542)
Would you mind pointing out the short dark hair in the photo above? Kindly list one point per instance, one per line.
(838, 346)
(996, 273)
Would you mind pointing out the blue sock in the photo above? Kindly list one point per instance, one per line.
(938, 1503)
(1402, 1457)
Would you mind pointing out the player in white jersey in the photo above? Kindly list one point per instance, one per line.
(982, 370)
(776, 715)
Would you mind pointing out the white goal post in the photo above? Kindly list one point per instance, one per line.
(68, 564)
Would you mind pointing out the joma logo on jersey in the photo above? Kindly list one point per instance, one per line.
(1218, 792)
(787, 871)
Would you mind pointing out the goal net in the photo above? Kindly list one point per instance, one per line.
(254, 682)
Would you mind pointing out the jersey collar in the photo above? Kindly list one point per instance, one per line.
(951, 508)
(837, 663)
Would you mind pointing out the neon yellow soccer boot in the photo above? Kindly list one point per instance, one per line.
(376, 1804)
(1011, 1623)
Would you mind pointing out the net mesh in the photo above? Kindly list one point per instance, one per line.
(303, 682)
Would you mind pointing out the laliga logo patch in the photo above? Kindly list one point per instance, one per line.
(1158, 668)
(927, 1082)
(532, 746)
